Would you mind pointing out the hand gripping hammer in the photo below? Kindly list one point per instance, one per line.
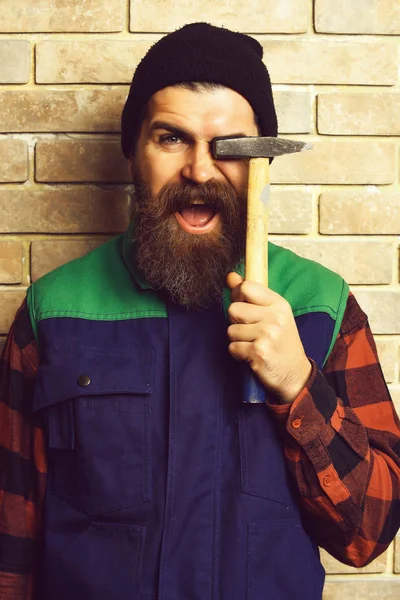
(259, 150)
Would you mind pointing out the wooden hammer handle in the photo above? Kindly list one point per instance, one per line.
(257, 223)
(256, 267)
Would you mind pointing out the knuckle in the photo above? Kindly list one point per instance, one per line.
(246, 288)
(275, 331)
(233, 349)
(231, 332)
(232, 311)
(260, 349)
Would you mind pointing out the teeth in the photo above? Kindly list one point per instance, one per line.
(195, 203)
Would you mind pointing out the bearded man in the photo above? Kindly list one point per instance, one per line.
(130, 467)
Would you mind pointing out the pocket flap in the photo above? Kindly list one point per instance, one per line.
(88, 371)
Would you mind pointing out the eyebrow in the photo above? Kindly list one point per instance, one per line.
(172, 128)
(186, 134)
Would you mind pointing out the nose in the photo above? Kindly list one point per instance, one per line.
(199, 166)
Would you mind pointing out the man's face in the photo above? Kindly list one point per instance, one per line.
(191, 208)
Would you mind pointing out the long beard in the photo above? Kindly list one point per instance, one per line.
(191, 268)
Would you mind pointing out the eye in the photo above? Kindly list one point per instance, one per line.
(170, 139)
(172, 142)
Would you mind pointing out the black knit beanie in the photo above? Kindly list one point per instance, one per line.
(201, 52)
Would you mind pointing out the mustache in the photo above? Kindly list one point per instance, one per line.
(174, 197)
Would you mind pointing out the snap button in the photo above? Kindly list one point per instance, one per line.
(83, 380)
(327, 481)
(296, 423)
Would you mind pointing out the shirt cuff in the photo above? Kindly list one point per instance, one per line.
(310, 412)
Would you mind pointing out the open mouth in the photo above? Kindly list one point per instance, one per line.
(199, 217)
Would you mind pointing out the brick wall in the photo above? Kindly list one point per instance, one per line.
(64, 70)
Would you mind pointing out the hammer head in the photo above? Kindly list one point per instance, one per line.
(255, 147)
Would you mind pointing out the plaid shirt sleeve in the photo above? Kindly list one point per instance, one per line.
(22, 462)
(342, 446)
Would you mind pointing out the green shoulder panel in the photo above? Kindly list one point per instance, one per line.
(306, 284)
(97, 286)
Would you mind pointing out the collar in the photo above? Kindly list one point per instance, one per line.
(129, 257)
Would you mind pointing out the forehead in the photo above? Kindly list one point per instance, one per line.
(206, 114)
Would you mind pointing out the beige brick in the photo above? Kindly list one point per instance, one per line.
(104, 61)
(13, 160)
(22, 16)
(10, 262)
(397, 554)
(290, 211)
(333, 566)
(361, 212)
(294, 111)
(338, 162)
(263, 16)
(359, 114)
(363, 16)
(14, 61)
(80, 160)
(382, 308)
(362, 589)
(357, 262)
(75, 210)
(321, 62)
(61, 110)
(48, 255)
(388, 352)
(10, 301)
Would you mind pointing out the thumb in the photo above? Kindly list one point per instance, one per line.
(233, 279)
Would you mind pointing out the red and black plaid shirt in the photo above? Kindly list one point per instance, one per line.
(341, 440)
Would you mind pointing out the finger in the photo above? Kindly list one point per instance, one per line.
(257, 293)
(243, 333)
(245, 313)
(240, 350)
(251, 292)
(234, 281)
(242, 291)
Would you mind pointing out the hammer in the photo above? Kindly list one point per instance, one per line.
(259, 150)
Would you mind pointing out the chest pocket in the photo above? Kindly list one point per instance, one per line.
(98, 416)
(262, 464)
